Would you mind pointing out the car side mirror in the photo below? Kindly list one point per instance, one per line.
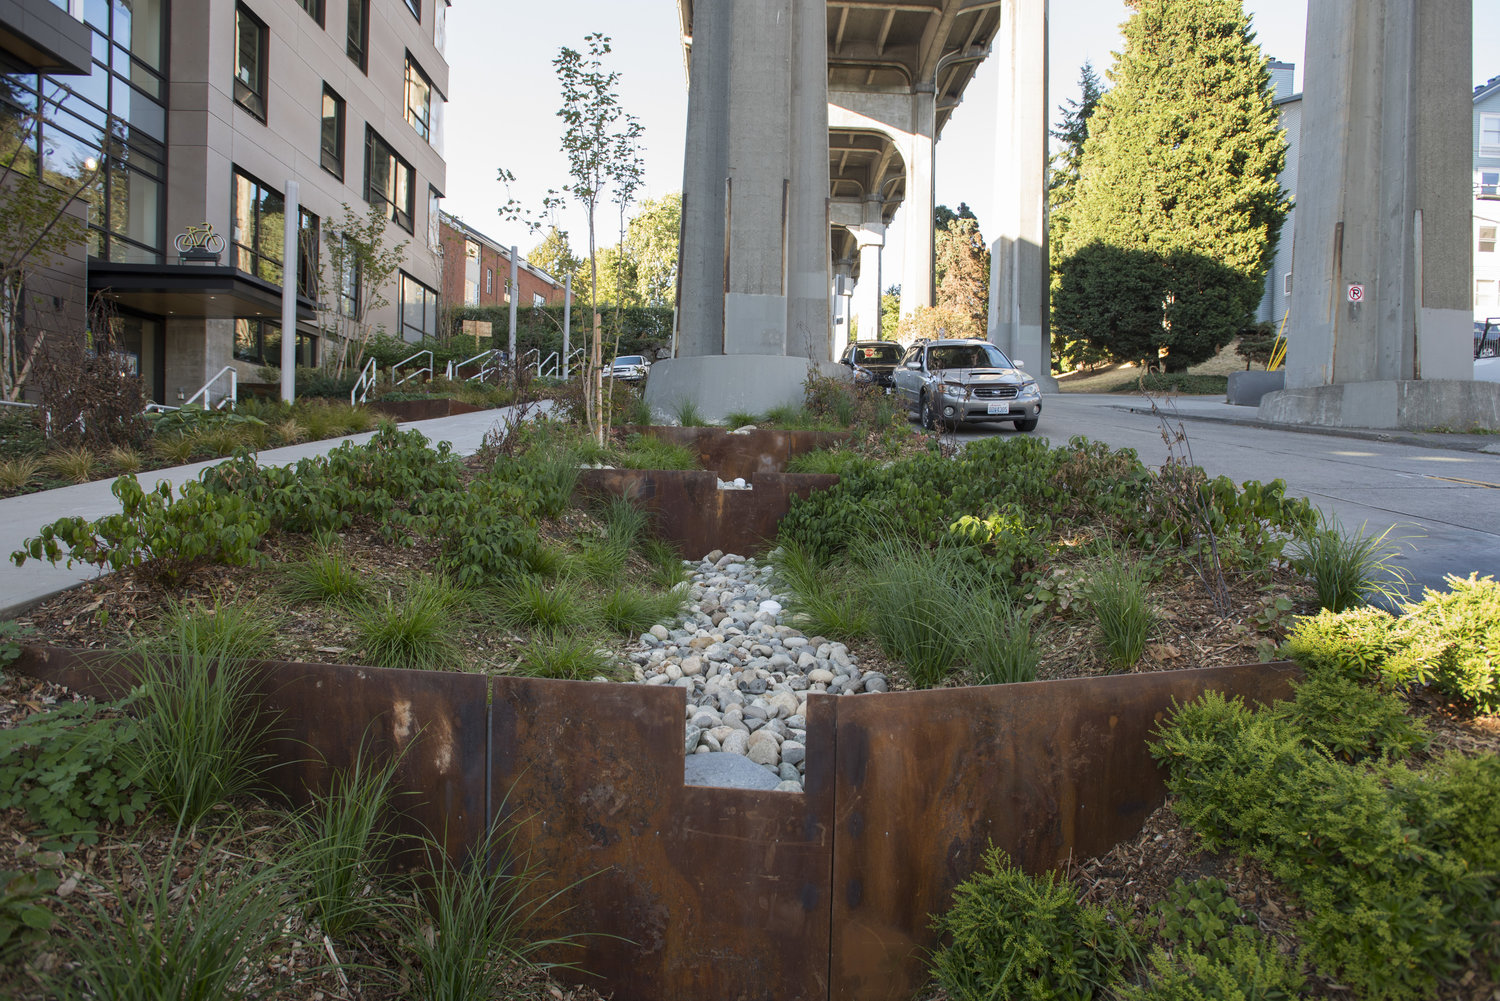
(913, 364)
(1018, 363)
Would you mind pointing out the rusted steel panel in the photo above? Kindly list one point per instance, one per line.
(322, 713)
(926, 780)
(710, 894)
(691, 511)
(764, 450)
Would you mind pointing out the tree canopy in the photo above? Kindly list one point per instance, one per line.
(1178, 207)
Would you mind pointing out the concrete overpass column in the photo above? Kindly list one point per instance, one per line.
(809, 325)
(917, 255)
(704, 245)
(1379, 330)
(870, 239)
(1019, 273)
(843, 298)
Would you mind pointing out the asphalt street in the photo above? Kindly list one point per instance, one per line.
(1438, 493)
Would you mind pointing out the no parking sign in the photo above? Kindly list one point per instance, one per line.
(1356, 293)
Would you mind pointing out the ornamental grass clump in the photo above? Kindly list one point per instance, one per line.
(1118, 596)
(413, 633)
(631, 611)
(1349, 569)
(324, 577)
(529, 603)
(566, 656)
(237, 631)
(76, 465)
(19, 472)
(823, 598)
(917, 605)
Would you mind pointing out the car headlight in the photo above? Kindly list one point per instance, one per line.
(1028, 388)
(957, 390)
(863, 375)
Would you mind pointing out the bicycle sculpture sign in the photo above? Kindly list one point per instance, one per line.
(199, 243)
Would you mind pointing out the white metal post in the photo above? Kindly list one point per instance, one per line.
(515, 293)
(567, 321)
(289, 296)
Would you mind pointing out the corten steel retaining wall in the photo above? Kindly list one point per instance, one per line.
(690, 511)
(727, 893)
(745, 454)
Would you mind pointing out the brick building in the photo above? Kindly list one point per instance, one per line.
(476, 271)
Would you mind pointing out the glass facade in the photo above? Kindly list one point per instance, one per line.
(258, 219)
(258, 341)
(418, 309)
(388, 180)
(115, 119)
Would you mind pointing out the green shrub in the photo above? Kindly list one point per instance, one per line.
(1357, 644)
(1388, 863)
(1453, 637)
(1352, 721)
(1015, 936)
(414, 633)
(1198, 914)
(67, 770)
(153, 527)
(1244, 967)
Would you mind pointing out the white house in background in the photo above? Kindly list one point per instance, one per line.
(1278, 295)
(1487, 200)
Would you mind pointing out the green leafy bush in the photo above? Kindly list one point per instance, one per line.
(1016, 936)
(68, 770)
(24, 919)
(153, 527)
(1397, 881)
(1243, 967)
(1352, 721)
(1199, 913)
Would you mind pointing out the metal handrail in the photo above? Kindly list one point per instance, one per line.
(208, 403)
(547, 368)
(367, 378)
(17, 403)
(412, 375)
(529, 358)
(1491, 322)
(569, 365)
(484, 358)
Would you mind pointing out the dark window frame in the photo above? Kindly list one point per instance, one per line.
(315, 10)
(358, 48)
(377, 148)
(256, 327)
(428, 292)
(252, 95)
(422, 126)
(332, 160)
(236, 246)
(415, 6)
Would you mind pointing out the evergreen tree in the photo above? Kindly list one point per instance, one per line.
(1062, 186)
(1178, 208)
(963, 269)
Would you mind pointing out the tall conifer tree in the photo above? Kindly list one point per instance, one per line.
(1178, 207)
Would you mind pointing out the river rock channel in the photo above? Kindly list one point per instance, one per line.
(747, 675)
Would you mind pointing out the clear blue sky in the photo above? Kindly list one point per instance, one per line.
(503, 96)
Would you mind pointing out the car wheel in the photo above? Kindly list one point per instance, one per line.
(1029, 424)
(929, 418)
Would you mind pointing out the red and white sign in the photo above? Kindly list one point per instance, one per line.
(1356, 293)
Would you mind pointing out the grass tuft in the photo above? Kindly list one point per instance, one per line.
(528, 603)
(1117, 594)
(566, 657)
(18, 473)
(125, 460)
(242, 631)
(1350, 569)
(631, 611)
(413, 633)
(688, 415)
(325, 577)
(76, 465)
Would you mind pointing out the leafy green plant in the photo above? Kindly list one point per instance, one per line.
(25, 921)
(631, 611)
(1117, 594)
(186, 929)
(69, 770)
(1016, 936)
(1242, 967)
(565, 656)
(238, 631)
(414, 633)
(153, 527)
(1348, 569)
(1453, 636)
(339, 842)
(1352, 721)
(12, 634)
(325, 577)
(200, 727)
(1199, 913)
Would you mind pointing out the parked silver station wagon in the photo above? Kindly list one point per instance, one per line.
(950, 382)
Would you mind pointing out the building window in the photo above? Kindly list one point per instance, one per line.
(388, 180)
(307, 253)
(538, 300)
(1489, 135)
(332, 152)
(1486, 295)
(434, 220)
(489, 281)
(258, 218)
(250, 62)
(1489, 184)
(258, 341)
(314, 9)
(418, 99)
(348, 279)
(440, 26)
(418, 309)
(471, 273)
(358, 45)
(1486, 239)
(415, 6)
(1286, 283)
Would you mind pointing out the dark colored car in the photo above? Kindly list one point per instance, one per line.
(872, 361)
(949, 382)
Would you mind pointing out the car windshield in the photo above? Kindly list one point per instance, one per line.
(630, 360)
(877, 354)
(967, 356)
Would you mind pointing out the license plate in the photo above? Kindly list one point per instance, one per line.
(999, 408)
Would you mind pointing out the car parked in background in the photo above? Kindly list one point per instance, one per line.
(950, 382)
(629, 368)
(872, 361)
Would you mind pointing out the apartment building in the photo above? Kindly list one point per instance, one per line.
(200, 112)
(1487, 202)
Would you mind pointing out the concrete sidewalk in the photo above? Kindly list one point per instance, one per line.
(21, 517)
